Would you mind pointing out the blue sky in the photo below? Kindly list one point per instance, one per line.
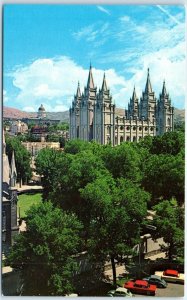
(47, 49)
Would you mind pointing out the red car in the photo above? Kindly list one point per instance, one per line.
(141, 287)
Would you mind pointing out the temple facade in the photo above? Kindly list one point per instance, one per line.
(93, 114)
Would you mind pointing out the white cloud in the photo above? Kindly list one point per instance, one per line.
(84, 32)
(5, 97)
(96, 33)
(53, 82)
(106, 11)
(125, 19)
(173, 18)
(29, 109)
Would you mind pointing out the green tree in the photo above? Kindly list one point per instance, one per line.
(115, 218)
(179, 126)
(76, 146)
(169, 220)
(164, 176)
(123, 161)
(45, 253)
(52, 138)
(169, 143)
(22, 158)
(53, 166)
(63, 126)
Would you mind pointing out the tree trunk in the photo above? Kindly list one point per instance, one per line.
(113, 270)
(170, 252)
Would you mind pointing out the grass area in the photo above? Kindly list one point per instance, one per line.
(25, 201)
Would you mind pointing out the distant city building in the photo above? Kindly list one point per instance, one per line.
(93, 115)
(35, 147)
(41, 112)
(9, 202)
(41, 118)
(18, 127)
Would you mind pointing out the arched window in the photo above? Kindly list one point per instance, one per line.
(128, 138)
(121, 139)
(134, 139)
(121, 127)
(116, 140)
(128, 127)
(168, 121)
(108, 129)
(134, 128)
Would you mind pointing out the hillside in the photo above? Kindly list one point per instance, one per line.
(13, 113)
(9, 112)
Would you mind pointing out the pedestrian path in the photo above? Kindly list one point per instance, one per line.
(25, 188)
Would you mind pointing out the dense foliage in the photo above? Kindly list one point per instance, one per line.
(22, 158)
(45, 252)
(169, 219)
(109, 191)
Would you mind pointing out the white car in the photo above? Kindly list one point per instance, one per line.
(119, 292)
(171, 276)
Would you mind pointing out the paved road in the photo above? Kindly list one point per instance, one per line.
(172, 290)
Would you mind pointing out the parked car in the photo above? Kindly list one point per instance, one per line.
(156, 280)
(171, 276)
(141, 287)
(119, 292)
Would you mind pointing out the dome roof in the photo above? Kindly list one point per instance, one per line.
(41, 108)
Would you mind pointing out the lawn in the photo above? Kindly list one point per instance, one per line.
(25, 201)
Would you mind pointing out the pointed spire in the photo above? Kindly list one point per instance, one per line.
(90, 83)
(148, 87)
(134, 97)
(164, 92)
(78, 90)
(13, 172)
(104, 85)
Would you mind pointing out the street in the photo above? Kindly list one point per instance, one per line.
(172, 290)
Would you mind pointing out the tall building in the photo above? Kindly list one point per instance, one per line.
(9, 201)
(93, 115)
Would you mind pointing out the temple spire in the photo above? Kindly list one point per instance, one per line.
(148, 87)
(134, 97)
(90, 83)
(78, 90)
(164, 92)
(104, 85)
(13, 172)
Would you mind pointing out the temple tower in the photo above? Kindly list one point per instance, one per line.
(164, 113)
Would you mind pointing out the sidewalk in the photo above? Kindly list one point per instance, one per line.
(120, 271)
(26, 188)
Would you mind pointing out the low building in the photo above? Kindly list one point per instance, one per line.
(18, 127)
(35, 147)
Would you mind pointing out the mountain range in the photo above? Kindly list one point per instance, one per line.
(14, 113)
